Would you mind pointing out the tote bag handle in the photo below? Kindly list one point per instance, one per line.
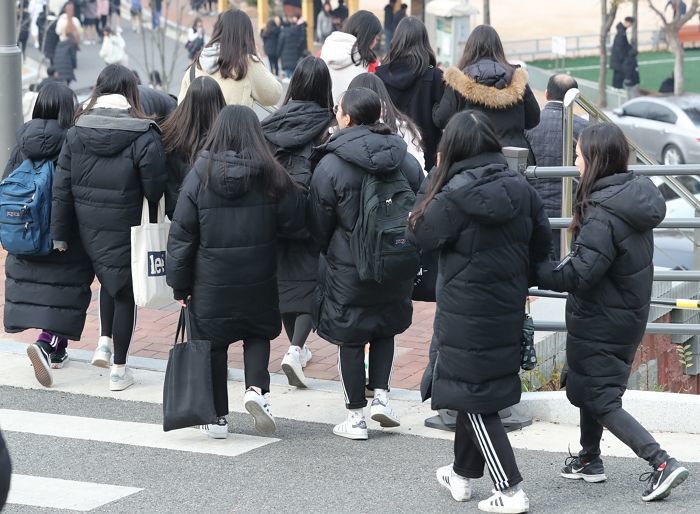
(160, 218)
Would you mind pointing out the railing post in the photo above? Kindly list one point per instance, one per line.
(567, 183)
(10, 80)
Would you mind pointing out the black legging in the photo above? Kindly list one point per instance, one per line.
(118, 320)
(298, 326)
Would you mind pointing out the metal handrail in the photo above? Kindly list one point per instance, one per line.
(559, 223)
(680, 329)
(646, 170)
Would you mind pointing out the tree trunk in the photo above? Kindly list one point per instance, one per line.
(635, 14)
(678, 65)
(602, 73)
(487, 12)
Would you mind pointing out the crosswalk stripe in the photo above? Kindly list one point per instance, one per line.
(127, 432)
(56, 493)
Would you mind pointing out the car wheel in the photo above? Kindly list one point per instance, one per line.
(672, 155)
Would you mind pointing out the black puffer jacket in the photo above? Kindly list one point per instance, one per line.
(156, 103)
(293, 131)
(620, 48)
(178, 168)
(109, 162)
(502, 95)
(270, 39)
(65, 60)
(491, 228)
(291, 45)
(221, 247)
(348, 310)
(49, 292)
(416, 97)
(609, 279)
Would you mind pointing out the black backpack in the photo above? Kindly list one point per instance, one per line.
(379, 245)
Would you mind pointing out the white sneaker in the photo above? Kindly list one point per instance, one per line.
(293, 363)
(352, 428)
(103, 354)
(460, 487)
(383, 414)
(218, 430)
(259, 407)
(500, 502)
(120, 378)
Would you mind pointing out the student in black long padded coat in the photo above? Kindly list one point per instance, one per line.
(485, 81)
(491, 229)
(222, 254)
(111, 160)
(5, 472)
(185, 132)
(414, 83)
(609, 276)
(293, 131)
(50, 292)
(350, 312)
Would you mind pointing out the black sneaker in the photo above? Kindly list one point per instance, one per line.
(58, 360)
(578, 468)
(664, 478)
(38, 354)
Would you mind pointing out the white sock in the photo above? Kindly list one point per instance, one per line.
(512, 490)
(355, 413)
(382, 395)
(119, 369)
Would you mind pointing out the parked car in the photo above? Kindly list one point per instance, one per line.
(667, 128)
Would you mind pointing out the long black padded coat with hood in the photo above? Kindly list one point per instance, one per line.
(109, 162)
(346, 309)
(49, 292)
(222, 247)
(609, 279)
(293, 131)
(491, 229)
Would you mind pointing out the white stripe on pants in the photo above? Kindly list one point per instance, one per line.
(490, 455)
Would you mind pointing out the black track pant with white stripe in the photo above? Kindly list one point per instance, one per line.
(481, 439)
(351, 365)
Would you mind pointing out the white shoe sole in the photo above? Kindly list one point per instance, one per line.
(214, 435)
(263, 422)
(101, 359)
(295, 375)
(42, 370)
(449, 488)
(121, 386)
(384, 420)
(505, 510)
(354, 437)
(591, 479)
(59, 365)
(674, 480)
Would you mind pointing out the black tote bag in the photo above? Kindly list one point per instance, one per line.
(426, 278)
(188, 394)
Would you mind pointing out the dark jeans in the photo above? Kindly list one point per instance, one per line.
(626, 429)
(481, 439)
(274, 63)
(298, 326)
(351, 366)
(118, 320)
(256, 358)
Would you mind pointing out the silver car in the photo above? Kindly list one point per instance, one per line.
(667, 128)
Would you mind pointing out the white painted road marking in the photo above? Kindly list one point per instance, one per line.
(56, 493)
(127, 432)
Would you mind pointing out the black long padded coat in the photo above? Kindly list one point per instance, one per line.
(609, 279)
(293, 131)
(49, 292)
(222, 247)
(491, 229)
(347, 310)
(109, 162)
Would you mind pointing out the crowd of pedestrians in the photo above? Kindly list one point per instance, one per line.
(318, 218)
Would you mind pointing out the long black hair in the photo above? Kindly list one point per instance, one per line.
(55, 101)
(398, 122)
(483, 43)
(365, 26)
(238, 129)
(233, 31)
(311, 82)
(468, 134)
(411, 45)
(605, 152)
(116, 79)
(186, 129)
(364, 108)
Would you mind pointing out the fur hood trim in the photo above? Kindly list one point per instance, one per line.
(486, 95)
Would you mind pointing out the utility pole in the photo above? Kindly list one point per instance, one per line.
(10, 80)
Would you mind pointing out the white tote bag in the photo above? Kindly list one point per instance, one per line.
(148, 244)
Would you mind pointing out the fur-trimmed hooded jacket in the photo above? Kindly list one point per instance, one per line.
(502, 94)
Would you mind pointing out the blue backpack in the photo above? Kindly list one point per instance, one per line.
(25, 209)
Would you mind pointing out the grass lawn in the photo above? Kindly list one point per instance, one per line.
(654, 67)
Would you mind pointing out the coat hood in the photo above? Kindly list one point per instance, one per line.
(483, 188)
(375, 153)
(337, 49)
(296, 124)
(227, 174)
(40, 139)
(489, 84)
(398, 75)
(209, 58)
(635, 200)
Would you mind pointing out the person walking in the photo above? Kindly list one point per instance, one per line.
(394, 12)
(609, 275)
(113, 49)
(620, 50)
(52, 292)
(90, 21)
(413, 81)
(348, 311)
(301, 124)
(270, 36)
(65, 59)
(485, 81)
(221, 255)
(230, 58)
(111, 160)
(324, 22)
(491, 230)
(185, 132)
(631, 72)
(291, 44)
(196, 39)
(350, 52)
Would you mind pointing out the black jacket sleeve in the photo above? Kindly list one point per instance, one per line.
(541, 238)
(448, 106)
(183, 239)
(441, 222)
(532, 109)
(323, 200)
(150, 161)
(62, 207)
